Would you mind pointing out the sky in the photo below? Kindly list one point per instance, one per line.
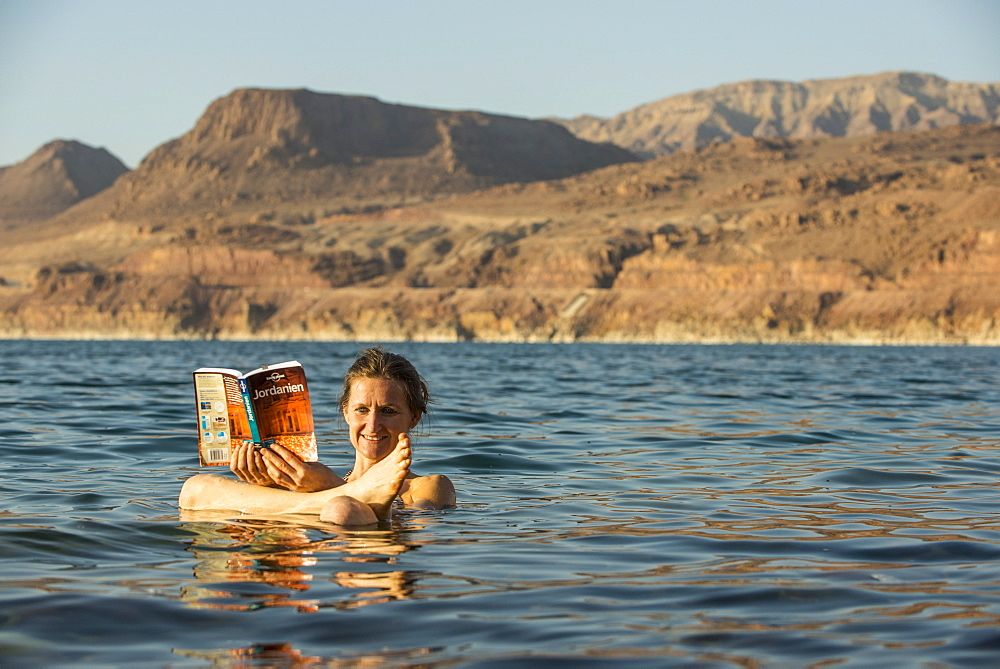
(130, 75)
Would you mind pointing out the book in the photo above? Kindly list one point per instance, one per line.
(267, 406)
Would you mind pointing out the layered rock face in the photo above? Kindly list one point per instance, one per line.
(259, 148)
(892, 101)
(892, 238)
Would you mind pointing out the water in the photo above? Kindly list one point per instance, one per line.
(618, 505)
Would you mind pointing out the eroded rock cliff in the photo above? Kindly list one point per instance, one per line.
(864, 105)
(257, 148)
(887, 238)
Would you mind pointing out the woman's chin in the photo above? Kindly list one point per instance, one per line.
(374, 450)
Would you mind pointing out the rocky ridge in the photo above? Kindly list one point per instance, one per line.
(892, 238)
(847, 107)
(256, 148)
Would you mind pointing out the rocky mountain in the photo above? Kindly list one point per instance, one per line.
(863, 105)
(893, 237)
(54, 178)
(257, 148)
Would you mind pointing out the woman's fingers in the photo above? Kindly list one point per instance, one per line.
(279, 469)
(287, 455)
(279, 466)
(291, 471)
(259, 467)
(248, 465)
(238, 461)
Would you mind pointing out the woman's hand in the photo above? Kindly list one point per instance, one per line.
(247, 463)
(288, 470)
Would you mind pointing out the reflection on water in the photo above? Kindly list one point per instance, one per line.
(252, 564)
(286, 655)
(622, 505)
(282, 654)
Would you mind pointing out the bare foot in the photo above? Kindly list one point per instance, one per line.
(379, 486)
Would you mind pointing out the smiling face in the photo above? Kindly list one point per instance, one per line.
(376, 413)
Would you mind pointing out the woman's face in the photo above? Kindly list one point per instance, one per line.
(376, 414)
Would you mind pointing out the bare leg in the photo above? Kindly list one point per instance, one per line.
(376, 489)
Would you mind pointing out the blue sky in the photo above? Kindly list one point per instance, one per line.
(130, 75)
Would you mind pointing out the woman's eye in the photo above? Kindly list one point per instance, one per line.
(389, 410)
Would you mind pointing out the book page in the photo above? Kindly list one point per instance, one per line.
(221, 418)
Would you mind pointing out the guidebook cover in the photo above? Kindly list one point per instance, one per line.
(266, 406)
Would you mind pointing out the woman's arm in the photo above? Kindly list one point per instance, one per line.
(376, 488)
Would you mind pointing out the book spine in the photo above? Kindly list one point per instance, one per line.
(251, 417)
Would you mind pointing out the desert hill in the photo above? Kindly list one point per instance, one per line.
(862, 105)
(253, 148)
(257, 148)
(52, 179)
(893, 237)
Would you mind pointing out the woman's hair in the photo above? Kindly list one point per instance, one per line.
(377, 363)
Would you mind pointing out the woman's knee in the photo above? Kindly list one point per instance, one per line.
(345, 510)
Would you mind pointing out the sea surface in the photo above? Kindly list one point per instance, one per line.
(619, 505)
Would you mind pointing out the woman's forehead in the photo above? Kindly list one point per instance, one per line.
(384, 391)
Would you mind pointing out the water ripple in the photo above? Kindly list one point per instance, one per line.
(625, 505)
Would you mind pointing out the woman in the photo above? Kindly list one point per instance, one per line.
(383, 398)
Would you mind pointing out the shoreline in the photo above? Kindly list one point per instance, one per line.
(640, 341)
